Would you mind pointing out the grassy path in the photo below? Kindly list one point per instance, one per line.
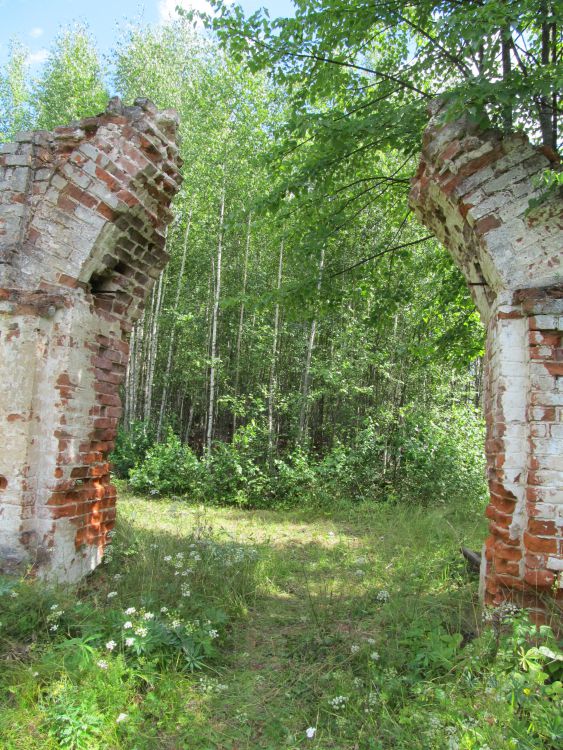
(333, 596)
(356, 627)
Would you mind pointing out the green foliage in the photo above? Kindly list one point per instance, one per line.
(168, 468)
(417, 456)
(15, 106)
(364, 613)
(71, 84)
(131, 447)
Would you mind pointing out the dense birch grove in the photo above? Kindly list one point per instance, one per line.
(275, 331)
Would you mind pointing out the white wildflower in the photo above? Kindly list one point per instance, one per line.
(127, 625)
(148, 616)
(110, 645)
(310, 732)
(141, 631)
(129, 642)
(382, 596)
(374, 656)
(167, 558)
(130, 611)
(54, 607)
(213, 633)
(112, 594)
(164, 610)
(102, 664)
(339, 701)
(121, 717)
(354, 648)
(54, 628)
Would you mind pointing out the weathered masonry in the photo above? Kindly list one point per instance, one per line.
(82, 215)
(473, 190)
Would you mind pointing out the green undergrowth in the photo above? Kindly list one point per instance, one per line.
(233, 629)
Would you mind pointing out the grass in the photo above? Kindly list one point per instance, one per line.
(361, 624)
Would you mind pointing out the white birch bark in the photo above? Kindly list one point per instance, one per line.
(273, 361)
(304, 414)
(173, 331)
(241, 317)
(214, 319)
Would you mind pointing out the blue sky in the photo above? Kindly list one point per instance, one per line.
(36, 22)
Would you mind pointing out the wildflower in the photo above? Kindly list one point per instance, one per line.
(112, 594)
(102, 664)
(310, 732)
(110, 645)
(148, 616)
(54, 607)
(54, 628)
(118, 576)
(164, 610)
(339, 701)
(127, 625)
(121, 717)
(374, 656)
(14, 594)
(176, 624)
(382, 596)
(129, 642)
(141, 631)
(167, 558)
(360, 561)
(354, 648)
(213, 633)
(130, 611)
(360, 573)
(371, 641)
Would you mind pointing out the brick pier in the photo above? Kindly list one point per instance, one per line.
(473, 190)
(82, 216)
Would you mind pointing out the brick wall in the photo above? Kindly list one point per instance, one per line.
(473, 190)
(82, 216)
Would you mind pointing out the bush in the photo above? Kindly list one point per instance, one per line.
(168, 468)
(131, 447)
(420, 456)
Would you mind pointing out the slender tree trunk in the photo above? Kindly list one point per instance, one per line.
(506, 46)
(273, 361)
(215, 315)
(173, 331)
(241, 318)
(152, 348)
(304, 414)
(128, 379)
(189, 426)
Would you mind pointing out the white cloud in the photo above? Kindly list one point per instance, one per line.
(36, 32)
(167, 8)
(36, 58)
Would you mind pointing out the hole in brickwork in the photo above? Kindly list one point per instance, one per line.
(3, 482)
(99, 282)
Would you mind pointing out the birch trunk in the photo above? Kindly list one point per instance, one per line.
(215, 315)
(273, 362)
(241, 318)
(153, 346)
(304, 414)
(173, 331)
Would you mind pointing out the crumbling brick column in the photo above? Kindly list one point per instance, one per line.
(82, 215)
(473, 190)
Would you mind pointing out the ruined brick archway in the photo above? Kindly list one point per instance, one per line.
(82, 215)
(473, 190)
